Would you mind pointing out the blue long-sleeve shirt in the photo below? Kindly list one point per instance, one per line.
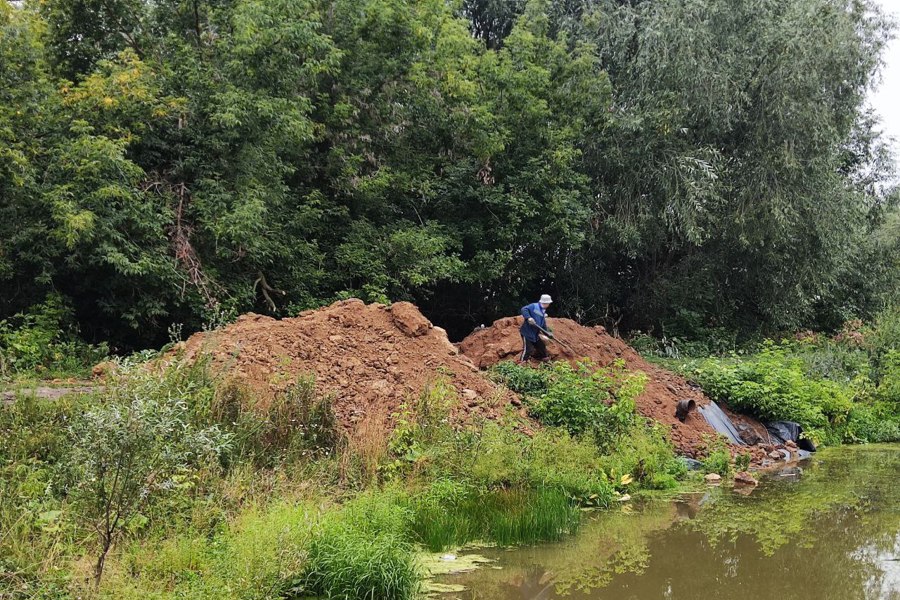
(533, 311)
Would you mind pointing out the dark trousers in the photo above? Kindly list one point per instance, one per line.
(536, 349)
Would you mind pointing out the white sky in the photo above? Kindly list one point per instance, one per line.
(886, 99)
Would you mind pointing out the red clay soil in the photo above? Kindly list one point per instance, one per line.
(370, 358)
(502, 341)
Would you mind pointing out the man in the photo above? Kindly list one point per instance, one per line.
(535, 320)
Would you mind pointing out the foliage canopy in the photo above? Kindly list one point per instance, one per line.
(657, 164)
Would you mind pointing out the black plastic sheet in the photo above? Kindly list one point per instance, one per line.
(789, 431)
(719, 421)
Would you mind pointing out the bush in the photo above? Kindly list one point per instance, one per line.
(501, 457)
(422, 435)
(246, 560)
(774, 385)
(520, 379)
(587, 399)
(829, 387)
(889, 387)
(718, 456)
(872, 423)
(646, 457)
(298, 422)
(884, 336)
(43, 340)
(138, 445)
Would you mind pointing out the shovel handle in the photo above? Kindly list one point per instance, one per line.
(552, 337)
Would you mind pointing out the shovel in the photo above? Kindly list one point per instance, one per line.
(555, 339)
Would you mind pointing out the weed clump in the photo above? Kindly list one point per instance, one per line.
(451, 513)
(361, 552)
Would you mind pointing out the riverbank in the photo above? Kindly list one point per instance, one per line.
(252, 468)
(209, 497)
(828, 532)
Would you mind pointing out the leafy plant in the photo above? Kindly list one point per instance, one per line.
(521, 379)
(43, 340)
(718, 456)
(587, 399)
(773, 385)
(124, 454)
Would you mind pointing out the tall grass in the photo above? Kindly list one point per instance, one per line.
(362, 552)
(451, 515)
(528, 516)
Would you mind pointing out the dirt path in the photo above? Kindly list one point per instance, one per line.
(47, 392)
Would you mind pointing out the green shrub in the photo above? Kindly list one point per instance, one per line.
(884, 336)
(44, 340)
(556, 460)
(298, 422)
(246, 560)
(646, 456)
(718, 456)
(827, 359)
(774, 385)
(828, 387)
(501, 457)
(521, 379)
(872, 423)
(139, 444)
(889, 387)
(422, 435)
(587, 399)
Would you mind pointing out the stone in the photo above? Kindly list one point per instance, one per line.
(713, 478)
(409, 320)
(101, 370)
(745, 478)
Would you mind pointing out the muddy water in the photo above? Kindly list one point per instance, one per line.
(833, 532)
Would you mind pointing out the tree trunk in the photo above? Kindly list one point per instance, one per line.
(101, 561)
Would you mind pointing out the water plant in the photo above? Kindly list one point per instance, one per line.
(450, 514)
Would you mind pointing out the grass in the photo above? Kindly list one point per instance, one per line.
(248, 559)
(527, 516)
(295, 507)
(451, 514)
(362, 552)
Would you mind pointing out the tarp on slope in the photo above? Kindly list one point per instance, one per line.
(719, 421)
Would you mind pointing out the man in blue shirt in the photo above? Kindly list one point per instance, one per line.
(535, 317)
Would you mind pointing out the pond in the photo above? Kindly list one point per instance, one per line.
(830, 532)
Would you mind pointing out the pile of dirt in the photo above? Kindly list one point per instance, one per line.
(370, 358)
(502, 341)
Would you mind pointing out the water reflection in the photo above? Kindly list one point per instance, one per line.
(833, 533)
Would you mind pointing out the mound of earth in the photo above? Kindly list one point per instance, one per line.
(502, 341)
(369, 358)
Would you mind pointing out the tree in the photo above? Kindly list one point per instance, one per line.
(131, 451)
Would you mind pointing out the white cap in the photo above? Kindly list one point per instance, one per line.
(545, 299)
